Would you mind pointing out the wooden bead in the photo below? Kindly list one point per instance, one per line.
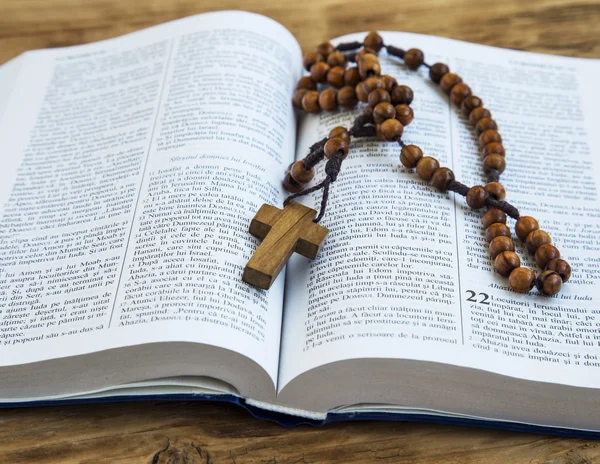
(335, 145)
(495, 161)
(341, 132)
(328, 99)
(459, 92)
(448, 81)
(492, 216)
(368, 65)
(310, 102)
(469, 104)
(496, 230)
(524, 226)
(336, 59)
(300, 174)
(404, 114)
(545, 254)
(486, 124)
(291, 185)
(325, 49)
(383, 111)
(437, 71)
(402, 95)
(364, 51)
(477, 114)
(441, 178)
(500, 244)
(426, 167)
(347, 97)
(414, 58)
(362, 92)
(493, 148)
(496, 190)
(521, 279)
(335, 77)
(549, 283)
(377, 96)
(561, 267)
(297, 98)
(506, 262)
(318, 71)
(372, 83)
(388, 82)
(536, 239)
(307, 83)
(351, 76)
(373, 41)
(489, 136)
(391, 130)
(476, 197)
(311, 58)
(410, 155)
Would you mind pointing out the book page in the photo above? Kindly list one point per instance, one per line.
(136, 165)
(405, 272)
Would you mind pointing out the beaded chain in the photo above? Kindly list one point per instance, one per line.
(386, 113)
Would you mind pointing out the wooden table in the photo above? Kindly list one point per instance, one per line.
(177, 432)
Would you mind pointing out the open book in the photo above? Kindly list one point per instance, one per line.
(131, 169)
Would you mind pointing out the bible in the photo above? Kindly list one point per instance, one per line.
(132, 168)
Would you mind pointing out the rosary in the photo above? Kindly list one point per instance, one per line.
(388, 111)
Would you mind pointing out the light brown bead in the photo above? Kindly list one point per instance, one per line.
(391, 129)
(362, 92)
(492, 216)
(410, 155)
(335, 145)
(493, 148)
(437, 71)
(496, 230)
(318, 71)
(373, 41)
(426, 167)
(469, 104)
(521, 279)
(291, 185)
(300, 174)
(506, 262)
(310, 102)
(347, 97)
(402, 95)
(368, 65)
(485, 124)
(328, 99)
(388, 82)
(377, 96)
(351, 76)
(524, 226)
(476, 197)
(489, 136)
(325, 49)
(372, 83)
(414, 58)
(477, 114)
(500, 244)
(364, 51)
(336, 59)
(311, 58)
(561, 267)
(495, 161)
(536, 239)
(341, 132)
(448, 81)
(441, 178)
(404, 114)
(545, 254)
(383, 111)
(496, 190)
(459, 92)
(549, 283)
(335, 77)
(307, 83)
(297, 98)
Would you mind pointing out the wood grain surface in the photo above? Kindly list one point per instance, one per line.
(178, 432)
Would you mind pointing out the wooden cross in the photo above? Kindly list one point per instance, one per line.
(284, 232)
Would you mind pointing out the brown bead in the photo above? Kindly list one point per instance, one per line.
(496, 190)
(492, 216)
(377, 96)
(524, 226)
(373, 41)
(335, 77)
(448, 81)
(300, 174)
(545, 254)
(341, 132)
(364, 51)
(328, 99)
(496, 230)
(536, 239)
(388, 82)
(477, 114)
(402, 95)
(441, 178)
(325, 49)
(307, 83)
(383, 111)
(486, 124)
(489, 136)
(310, 102)
(469, 104)
(318, 71)
(362, 92)
(495, 161)
(311, 58)
(391, 129)
(549, 283)
(414, 58)
(561, 267)
(336, 59)
(410, 155)
(437, 71)
(476, 197)
(493, 148)
(506, 262)
(335, 145)
(459, 92)
(404, 114)
(291, 185)
(426, 167)
(500, 244)
(521, 279)
(297, 98)
(351, 76)
(372, 83)
(347, 97)
(368, 65)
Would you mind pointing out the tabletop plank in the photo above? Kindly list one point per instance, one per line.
(184, 432)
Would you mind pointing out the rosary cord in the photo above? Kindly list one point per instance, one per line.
(316, 154)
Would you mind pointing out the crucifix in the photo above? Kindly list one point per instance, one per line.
(284, 232)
